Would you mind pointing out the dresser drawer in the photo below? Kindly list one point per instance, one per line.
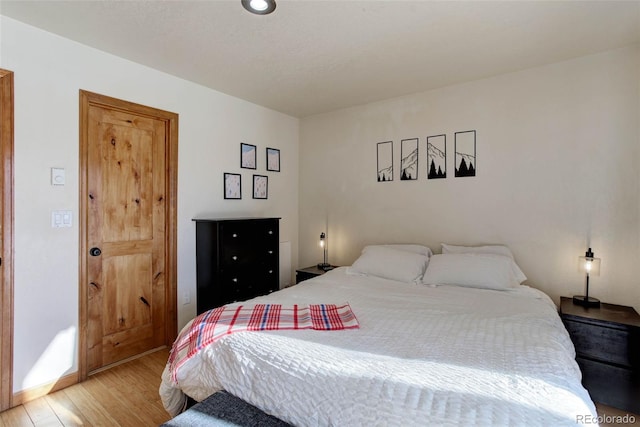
(236, 259)
(245, 284)
(268, 257)
(607, 344)
(266, 234)
(235, 236)
(265, 278)
(249, 238)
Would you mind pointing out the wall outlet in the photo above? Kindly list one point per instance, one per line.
(186, 298)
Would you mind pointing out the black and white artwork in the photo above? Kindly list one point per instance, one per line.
(436, 156)
(385, 161)
(247, 156)
(465, 149)
(409, 159)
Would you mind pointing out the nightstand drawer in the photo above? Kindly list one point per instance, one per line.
(611, 385)
(602, 343)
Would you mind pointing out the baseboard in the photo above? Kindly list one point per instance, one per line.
(128, 359)
(24, 396)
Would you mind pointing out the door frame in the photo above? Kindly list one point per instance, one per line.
(88, 99)
(6, 270)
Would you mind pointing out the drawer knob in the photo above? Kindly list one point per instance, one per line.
(235, 280)
(270, 231)
(270, 252)
(270, 271)
(235, 235)
(234, 257)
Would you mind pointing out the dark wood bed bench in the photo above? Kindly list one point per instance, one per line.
(224, 409)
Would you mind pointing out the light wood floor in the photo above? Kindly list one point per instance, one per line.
(125, 395)
(609, 415)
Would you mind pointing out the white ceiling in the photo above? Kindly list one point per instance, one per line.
(313, 56)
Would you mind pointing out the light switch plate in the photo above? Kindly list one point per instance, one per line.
(60, 219)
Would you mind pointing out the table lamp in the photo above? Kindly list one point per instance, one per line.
(323, 244)
(591, 267)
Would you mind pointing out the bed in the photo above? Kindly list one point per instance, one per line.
(448, 339)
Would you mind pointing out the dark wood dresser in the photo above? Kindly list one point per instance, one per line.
(607, 342)
(236, 259)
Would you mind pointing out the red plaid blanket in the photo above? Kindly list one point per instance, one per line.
(218, 322)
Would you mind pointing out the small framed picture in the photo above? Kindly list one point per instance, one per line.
(247, 156)
(409, 159)
(260, 186)
(273, 159)
(232, 186)
(465, 149)
(437, 156)
(385, 161)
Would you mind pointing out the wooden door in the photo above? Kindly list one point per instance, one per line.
(6, 239)
(130, 299)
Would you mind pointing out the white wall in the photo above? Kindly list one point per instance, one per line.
(49, 72)
(558, 155)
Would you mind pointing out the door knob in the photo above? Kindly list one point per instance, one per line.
(95, 251)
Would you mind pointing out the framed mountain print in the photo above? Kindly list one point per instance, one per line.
(385, 161)
(437, 156)
(409, 159)
(465, 149)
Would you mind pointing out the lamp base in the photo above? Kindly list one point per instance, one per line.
(325, 267)
(586, 301)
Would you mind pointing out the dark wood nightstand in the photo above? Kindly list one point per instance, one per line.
(308, 273)
(607, 342)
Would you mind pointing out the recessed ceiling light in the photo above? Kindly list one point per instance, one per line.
(259, 7)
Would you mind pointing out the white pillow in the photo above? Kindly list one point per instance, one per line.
(486, 271)
(416, 249)
(488, 249)
(390, 263)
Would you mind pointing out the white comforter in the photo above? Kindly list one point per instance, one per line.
(423, 356)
